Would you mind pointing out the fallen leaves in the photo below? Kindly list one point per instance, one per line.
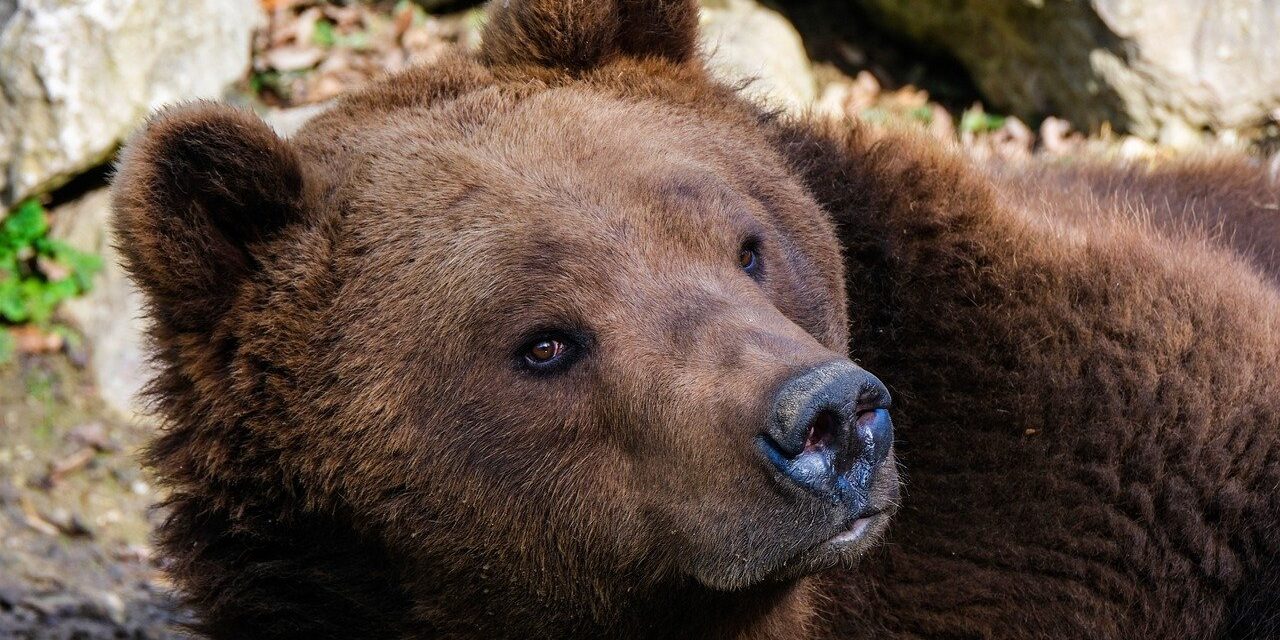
(983, 135)
(312, 51)
(53, 523)
(30, 339)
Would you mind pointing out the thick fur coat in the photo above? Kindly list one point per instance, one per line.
(1086, 385)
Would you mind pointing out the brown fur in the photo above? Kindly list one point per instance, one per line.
(1226, 199)
(1088, 408)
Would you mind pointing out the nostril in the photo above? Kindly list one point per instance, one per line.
(874, 429)
(822, 431)
(828, 431)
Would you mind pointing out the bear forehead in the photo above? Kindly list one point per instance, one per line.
(562, 188)
(552, 143)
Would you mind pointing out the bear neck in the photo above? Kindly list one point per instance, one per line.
(765, 612)
(771, 611)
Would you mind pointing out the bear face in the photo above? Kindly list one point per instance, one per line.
(672, 291)
(497, 346)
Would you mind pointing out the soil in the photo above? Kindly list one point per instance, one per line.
(75, 511)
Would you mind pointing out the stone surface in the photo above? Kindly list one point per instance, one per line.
(1155, 68)
(77, 76)
(110, 315)
(286, 122)
(747, 42)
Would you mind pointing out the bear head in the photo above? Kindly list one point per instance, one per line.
(543, 341)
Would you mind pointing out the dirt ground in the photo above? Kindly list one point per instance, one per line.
(75, 511)
(75, 505)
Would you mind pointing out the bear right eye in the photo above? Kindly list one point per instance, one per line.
(547, 353)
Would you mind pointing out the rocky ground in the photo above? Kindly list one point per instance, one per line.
(75, 510)
(75, 506)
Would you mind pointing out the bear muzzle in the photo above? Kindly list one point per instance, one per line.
(827, 434)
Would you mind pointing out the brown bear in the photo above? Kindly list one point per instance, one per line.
(558, 341)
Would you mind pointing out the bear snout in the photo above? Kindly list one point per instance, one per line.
(828, 431)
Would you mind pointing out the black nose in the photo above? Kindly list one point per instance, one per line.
(829, 429)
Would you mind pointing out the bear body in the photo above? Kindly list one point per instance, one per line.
(364, 438)
(1081, 464)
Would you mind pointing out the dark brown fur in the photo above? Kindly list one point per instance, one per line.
(1088, 408)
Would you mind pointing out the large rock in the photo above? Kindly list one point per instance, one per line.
(76, 76)
(110, 315)
(1157, 68)
(748, 43)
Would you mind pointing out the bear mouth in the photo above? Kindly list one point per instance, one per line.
(841, 550)
(863, 527)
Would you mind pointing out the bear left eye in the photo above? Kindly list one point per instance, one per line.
(749, 259)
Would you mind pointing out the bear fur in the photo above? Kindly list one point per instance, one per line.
(1229, 200)
(1086, 390)
(1086, 401)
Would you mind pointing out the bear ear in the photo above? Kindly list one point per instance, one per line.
(581, 34)
(196, 191)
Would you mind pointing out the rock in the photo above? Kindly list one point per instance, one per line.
(287, 122)
(110, 315)
(1177, 134)
(77, 76)
(1149, 67)
(746, 42)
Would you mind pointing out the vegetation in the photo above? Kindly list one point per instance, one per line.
(37, 272)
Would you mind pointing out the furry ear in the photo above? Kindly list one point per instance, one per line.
(196, 191)
(581, 34)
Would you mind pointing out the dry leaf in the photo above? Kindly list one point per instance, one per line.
(294, 58)
(30, 339)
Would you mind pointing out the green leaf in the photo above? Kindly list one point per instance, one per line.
(26, 293)
(83, 266)
(13, 306)
(324, 34)
(977, 121)
(25, 224)
(263, 81)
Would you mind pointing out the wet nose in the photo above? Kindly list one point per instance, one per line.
(829, 429)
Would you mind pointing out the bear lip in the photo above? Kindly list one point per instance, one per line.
(857, 530)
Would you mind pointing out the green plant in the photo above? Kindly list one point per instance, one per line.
(975, 120)
(324, 34)
(922, 114)
(38, 272)
(263, 81)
